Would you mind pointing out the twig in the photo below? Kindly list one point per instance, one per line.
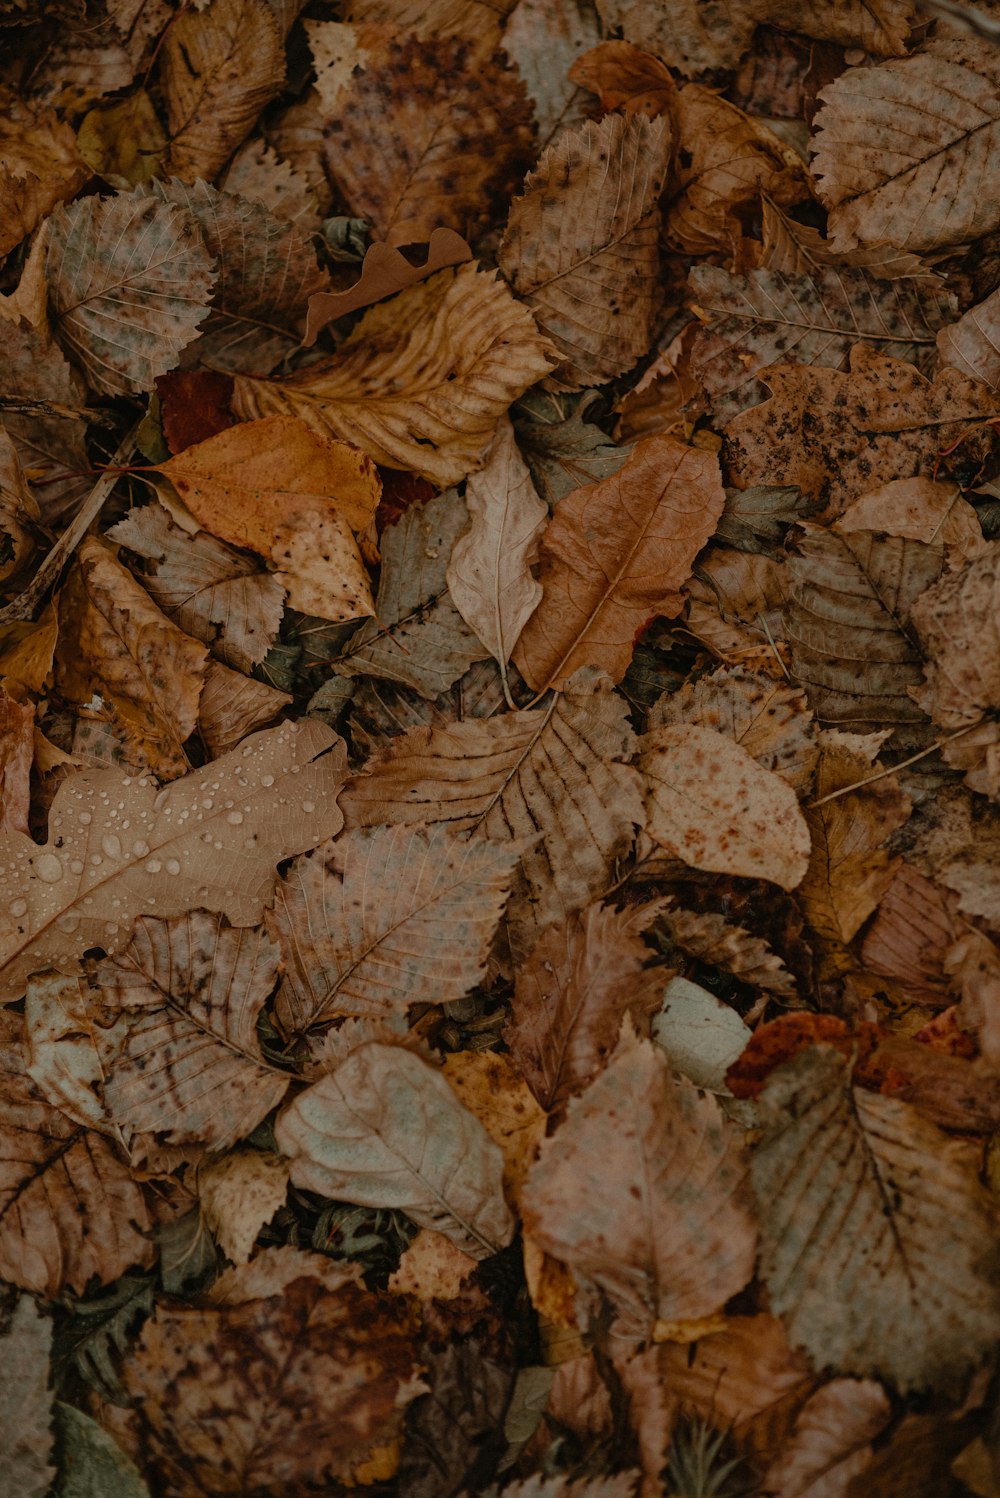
(26, 604)
(892, 769)
(28, 407)
(965, 16)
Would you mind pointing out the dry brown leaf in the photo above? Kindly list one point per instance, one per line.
(123, 141)
(709, 803)
(422, 381)
(626, 78)
(424, 133)
(265, 801)
(924, 510)
(384, 272)
(972, 343)
(685, 37)
(130, 281)
(432, 1267)
(51, 449)
(489, 574)
(957, 844)
(838, 435)
(725, 161)
(912, 931)
(239, 1194)
(790, 246)
(68, 1050)
(478, 20)
(233, 706)
(274, 1390)
(257, 172)
(830, 1444)
(614, 556)
(17, 741)
(40, 166)
(211, 591)
(115, 643)
(848, 623)
(956, 621)
(378, 920)
(26, 1408)
(542, 38)
(593, 288)
(767, 718)
(386, 1130)
(973, 967)
(292, 495)
(715, 942)
(488, 1084)
(218, 68)
(872, 1229)
(891, 165)
(640, 1192)
(734, 605)
(191, 1068)
(571, 994)
(553, 771)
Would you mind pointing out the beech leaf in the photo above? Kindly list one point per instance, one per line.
(385, 1129)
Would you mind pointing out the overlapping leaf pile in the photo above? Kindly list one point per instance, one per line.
(500, 868)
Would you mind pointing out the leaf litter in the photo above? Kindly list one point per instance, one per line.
(500, 749)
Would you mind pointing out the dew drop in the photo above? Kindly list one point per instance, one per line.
(247, 753)
(161, 799)
(96, 860)
(234, 818)
(18, 908)
(76, 866)
(152, 866)
(111, 845)
(308, 806)
(206, 837)
(216, 845)
(172, 866)
(267, 780)
(67, 923)
(85, 819)
(111, 929)
(48, 868)
(207, 802)
(139, 848)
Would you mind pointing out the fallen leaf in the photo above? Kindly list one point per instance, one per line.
(233, 706)
(790, 246)
(190, 1067)
(385, 1129)
(293, 496)
(40, 167)
(422, 380)
(51, 448)
(431, 1268)
(687, 39)
(123, 141)
(830, 1445)
(194, 404)
(17, 729)
(923, 510)
(715, 942)
(563, 450)
(26, 1409)
(239, 1194)
(68, 1048)
(378, 920)
(614, 556)
(872, 1232)
(955, 621)
(640, 1192)
(626, 78)
(384, 272)
(92, 1463)
(757, 519)
(488, 1084)
(593, 292)
(542, 38)
(259, 173)
(711, 804)
(910, 935)
(701, 1035)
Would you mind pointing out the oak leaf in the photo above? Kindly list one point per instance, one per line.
(190, 1067)
(26, 1404)
(571, 994)
(594, 291)
(129, 282)
(614, 556)
(115, 642)
(890, 165)
(292, 495)
(378, 920)
(384, 272)
(209, 590)
(641, 1192)
(385, 1129)
(266, 801)
(872, 1229)
(711, 804)
(218, 68)
(423, 379)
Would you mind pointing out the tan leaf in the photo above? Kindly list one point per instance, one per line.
(274, 1391)
(571, 994)
(191, 1068)
(881, 27)
(542, 38)
(957, 844)
(432, 1267)
(209, 590)
(51, 448)
(910, 935)
(922, 509)
(17, 735)
(417, 636)
(563, 450)
(130, 281)
(972, 343)
(714, 941)
(735, 602)
(640, 1192)
(69, 1209)
(385, 1130)
(233, 706)
(384, 272)
(872, 1229)
(26, 1404)
(702, 1035)
(973, 967)
(40, 166)
(123, 141)
(793, 247)
(266, 801)
(423, 379)
(848, 623)
(378, 920)
(838, 435)
(488, 1084)
(890, 165)
(292, 495)
(725, 161)
(850, 869)
(594, 288)
(765, 717)
(712, 805)
(614, 556)
(549, 771)
(115, 642)
(830, 1443)
(425, 133)
(68, 1051)
(686, 37)
(956, 621)
(239, 1194)
(489, 574)
(478, 20)
(218, 68)
(257, 172)
(626, 78)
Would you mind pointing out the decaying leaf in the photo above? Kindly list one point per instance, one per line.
(872, 1229)
(830, 1444)
(384, 272)
(239, 1194)
(923, 509)
(912, 931)
(385, 1129)
(956, 621)
(40, 166)
(714, 941)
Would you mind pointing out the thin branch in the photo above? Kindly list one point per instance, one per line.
(892, 769)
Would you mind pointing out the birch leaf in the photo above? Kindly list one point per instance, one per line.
(385, 1129)
(378, 920)
(489, 575)
(872, 1230)
(85, 887)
